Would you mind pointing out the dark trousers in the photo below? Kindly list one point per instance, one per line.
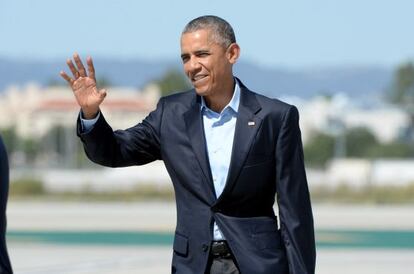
(222, 266)
(221, 260)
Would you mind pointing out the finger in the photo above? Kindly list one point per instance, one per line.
(66, 77)
(72, 68)
(102, 93)
(91, 68)
(81, 68)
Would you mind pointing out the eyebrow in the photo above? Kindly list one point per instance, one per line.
(196, 52)
(201, 51)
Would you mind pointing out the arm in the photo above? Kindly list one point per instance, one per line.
(4, 181)
(87, 124)
(296, 220)
(134, 146)
(5, 266)
(137, 145)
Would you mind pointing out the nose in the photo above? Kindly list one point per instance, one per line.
(194, 63)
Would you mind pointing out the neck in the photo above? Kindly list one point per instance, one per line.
(219, 100)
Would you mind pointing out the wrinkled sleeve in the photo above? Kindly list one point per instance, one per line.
(137, 145)
(295, 212)
(87, 124)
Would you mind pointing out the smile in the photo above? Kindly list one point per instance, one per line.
(198, 78)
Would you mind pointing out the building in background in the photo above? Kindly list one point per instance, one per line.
(48, 116)
(33, 110)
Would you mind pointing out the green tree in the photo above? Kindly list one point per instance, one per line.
(53, 82)
(172, 81)
(10, 139)
(391, 150)
(30, 149)
(402, 87)
(358, 141)
(402, 93)
(319, 149)
(362, 143)
(103, 82)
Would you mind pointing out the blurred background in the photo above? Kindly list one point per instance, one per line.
(348, 66)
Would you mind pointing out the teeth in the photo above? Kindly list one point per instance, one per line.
(198, 77)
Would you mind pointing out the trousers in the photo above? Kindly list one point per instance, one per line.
(221, 260)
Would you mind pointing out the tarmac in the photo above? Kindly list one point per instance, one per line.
(31, 254)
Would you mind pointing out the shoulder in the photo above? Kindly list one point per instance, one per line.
(2, 147)
(3, 159)
(178, 100)
(269, 106)
(273, 103)
(180, 97)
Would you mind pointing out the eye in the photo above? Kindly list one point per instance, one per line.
(184, 58)
(203, 54)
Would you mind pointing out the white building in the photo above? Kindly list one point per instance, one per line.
(34, 110)
(333, 115)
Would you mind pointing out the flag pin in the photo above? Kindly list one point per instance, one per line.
(251, 123)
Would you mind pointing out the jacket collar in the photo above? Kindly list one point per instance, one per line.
(247, 126)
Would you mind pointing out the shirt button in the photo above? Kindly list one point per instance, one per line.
(205, 247)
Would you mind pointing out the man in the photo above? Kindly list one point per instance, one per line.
(228, 151)
(5, 267)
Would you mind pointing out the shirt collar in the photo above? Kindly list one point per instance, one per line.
(234, 102)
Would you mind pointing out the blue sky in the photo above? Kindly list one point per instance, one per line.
(307, 33)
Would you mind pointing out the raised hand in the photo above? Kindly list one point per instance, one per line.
(84, 86)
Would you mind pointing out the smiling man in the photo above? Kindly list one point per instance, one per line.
(228, 150)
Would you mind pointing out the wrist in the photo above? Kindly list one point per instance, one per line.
(89, 114)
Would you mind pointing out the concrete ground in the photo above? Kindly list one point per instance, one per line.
(50, 259)
(44, 258)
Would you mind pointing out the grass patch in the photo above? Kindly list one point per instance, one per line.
(34, 189)
(367, 194)
(26, 187)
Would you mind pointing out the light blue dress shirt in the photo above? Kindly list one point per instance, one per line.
(87, 124)
(219, 132)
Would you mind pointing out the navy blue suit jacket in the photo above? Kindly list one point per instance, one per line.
(5, 267)
(267, 158)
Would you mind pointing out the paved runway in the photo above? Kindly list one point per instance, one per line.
(39, 241)
(53, 259)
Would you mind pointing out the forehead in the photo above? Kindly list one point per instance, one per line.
(197, 39)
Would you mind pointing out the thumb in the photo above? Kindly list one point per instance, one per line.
(102, 93)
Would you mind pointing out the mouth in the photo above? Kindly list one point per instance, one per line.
(198, 78)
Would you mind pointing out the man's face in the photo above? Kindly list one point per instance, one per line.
(206, 63)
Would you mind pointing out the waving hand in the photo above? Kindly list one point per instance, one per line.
(83, 85)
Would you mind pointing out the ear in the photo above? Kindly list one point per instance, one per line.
(233, 53)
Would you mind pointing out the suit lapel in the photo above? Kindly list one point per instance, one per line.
(195, 131)
(247, 126)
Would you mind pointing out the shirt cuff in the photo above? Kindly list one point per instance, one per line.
(88, 124)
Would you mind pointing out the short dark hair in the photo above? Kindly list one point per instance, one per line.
(221, 30)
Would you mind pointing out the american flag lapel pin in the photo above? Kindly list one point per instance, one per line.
(251, 123)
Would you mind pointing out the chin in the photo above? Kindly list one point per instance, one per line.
(201, 92)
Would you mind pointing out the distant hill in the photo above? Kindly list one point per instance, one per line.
(274, 82)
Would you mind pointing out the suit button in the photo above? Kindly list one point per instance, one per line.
(205, 247)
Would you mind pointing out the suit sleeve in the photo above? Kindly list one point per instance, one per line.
(295, 212)
(137, 145)
(5, 266)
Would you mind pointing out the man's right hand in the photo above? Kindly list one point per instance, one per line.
(84, 86)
